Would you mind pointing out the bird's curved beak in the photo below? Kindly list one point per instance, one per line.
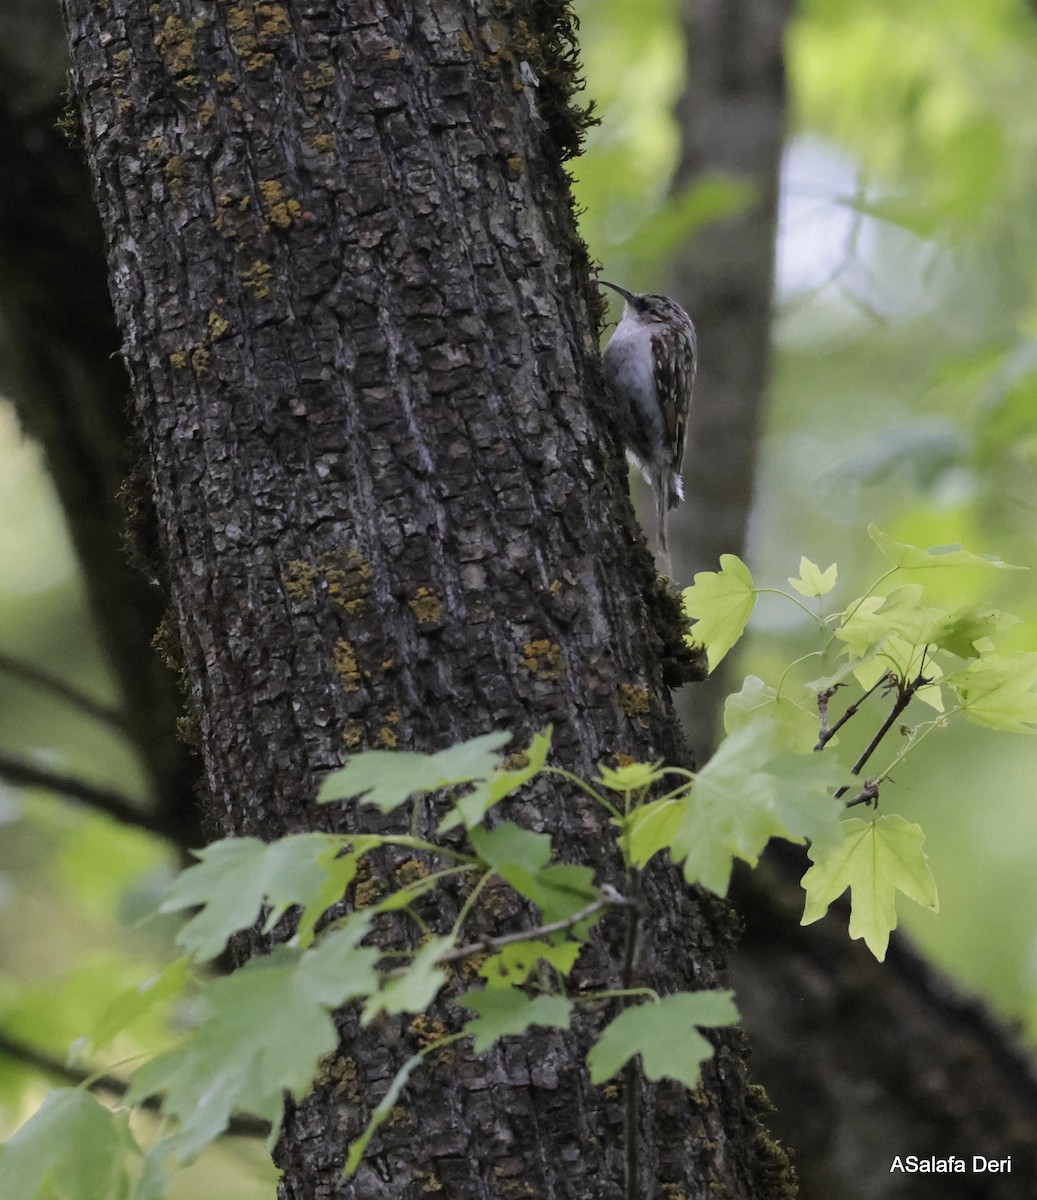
(627, 296)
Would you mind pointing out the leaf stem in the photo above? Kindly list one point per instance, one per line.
(466, 908)
(584, 787)
(938, 723)
(416, 843)
(847, 614)
(794, 663)
(617, 993)
(789, 596)
(418, 887)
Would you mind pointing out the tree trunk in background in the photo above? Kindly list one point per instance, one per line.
(866, 1060)
(732, 119)
(58, 363)
(356, 318)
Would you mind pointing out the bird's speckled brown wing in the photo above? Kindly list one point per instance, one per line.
(674, 352)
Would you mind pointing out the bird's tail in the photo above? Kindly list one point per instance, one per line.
(669, 492)
(663, 512)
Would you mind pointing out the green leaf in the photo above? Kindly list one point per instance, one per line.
(235, 877)
(804, 800)
(388, 778)
(874, 859)
(559, 891)
(965, 630)
(812, 580)
(868, 622)
(134, 1002)
(470, 809)
(634, 777)
(510, 845)
(508, 1011)
(838, 676)
(907, 661)
(72, 1147)
(338, 969)
(664, 1034)
(997, 692)
(730, 811)
(513, 964)
(797, 728)
(650, 828)
(154, 1177)
(720, 602)
(412, 988)
(268, 1026)
(748, 792)
(937, 557)
(520, 858)
(405, 896)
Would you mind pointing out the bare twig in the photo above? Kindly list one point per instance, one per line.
(17, 668)
(609, 898)
(905, 694)
(630, 1078)
(826, 732)
(241, 1125)
(25, 774)
(867, 795)
(823, 732)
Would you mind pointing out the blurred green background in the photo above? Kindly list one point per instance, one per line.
(904, 386)
(904, 393)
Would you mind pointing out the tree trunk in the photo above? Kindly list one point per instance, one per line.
(732, 118)
(865, 1060)
(356, 317)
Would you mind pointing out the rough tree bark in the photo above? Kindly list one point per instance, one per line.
(356, 317)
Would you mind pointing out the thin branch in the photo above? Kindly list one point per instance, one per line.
(867, 795)
(902, 701)
(241, 1125)
(846, 616)
(823, 733)
(17, 668)
(795, 600)
(630, 1077)
(114, 804)
(826, 734)
(904, 698)
(609, 898)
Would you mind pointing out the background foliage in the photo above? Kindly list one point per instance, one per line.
(905, 393)
(905, 374)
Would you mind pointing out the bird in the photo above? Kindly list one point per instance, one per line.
(650, 364)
